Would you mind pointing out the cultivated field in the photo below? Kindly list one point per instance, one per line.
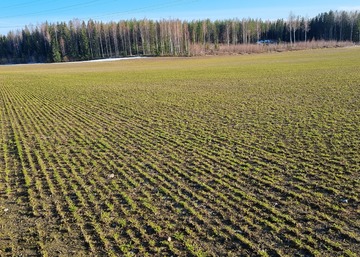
(254, 155)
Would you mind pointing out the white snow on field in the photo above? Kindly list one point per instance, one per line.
(111, 59)
(98, 60)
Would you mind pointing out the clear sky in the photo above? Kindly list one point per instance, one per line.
(15, 14)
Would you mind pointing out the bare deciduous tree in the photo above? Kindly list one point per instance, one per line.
(290, 24)
(306, 26)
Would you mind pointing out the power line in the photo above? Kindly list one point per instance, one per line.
(147, 8)
(52, 10)
(89, 3)
(135, 10)
(20, 4)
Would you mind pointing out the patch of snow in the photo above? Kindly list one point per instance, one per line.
(89, 61)
(108, 59)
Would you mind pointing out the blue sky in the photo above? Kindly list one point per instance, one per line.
(16, 14)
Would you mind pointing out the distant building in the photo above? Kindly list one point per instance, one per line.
(266, 42)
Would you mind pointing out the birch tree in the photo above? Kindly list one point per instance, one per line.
(306, 26)
(291, 21)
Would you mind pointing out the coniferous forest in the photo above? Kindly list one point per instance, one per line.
(80, 40)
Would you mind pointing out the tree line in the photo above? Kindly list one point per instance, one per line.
(80, 40)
